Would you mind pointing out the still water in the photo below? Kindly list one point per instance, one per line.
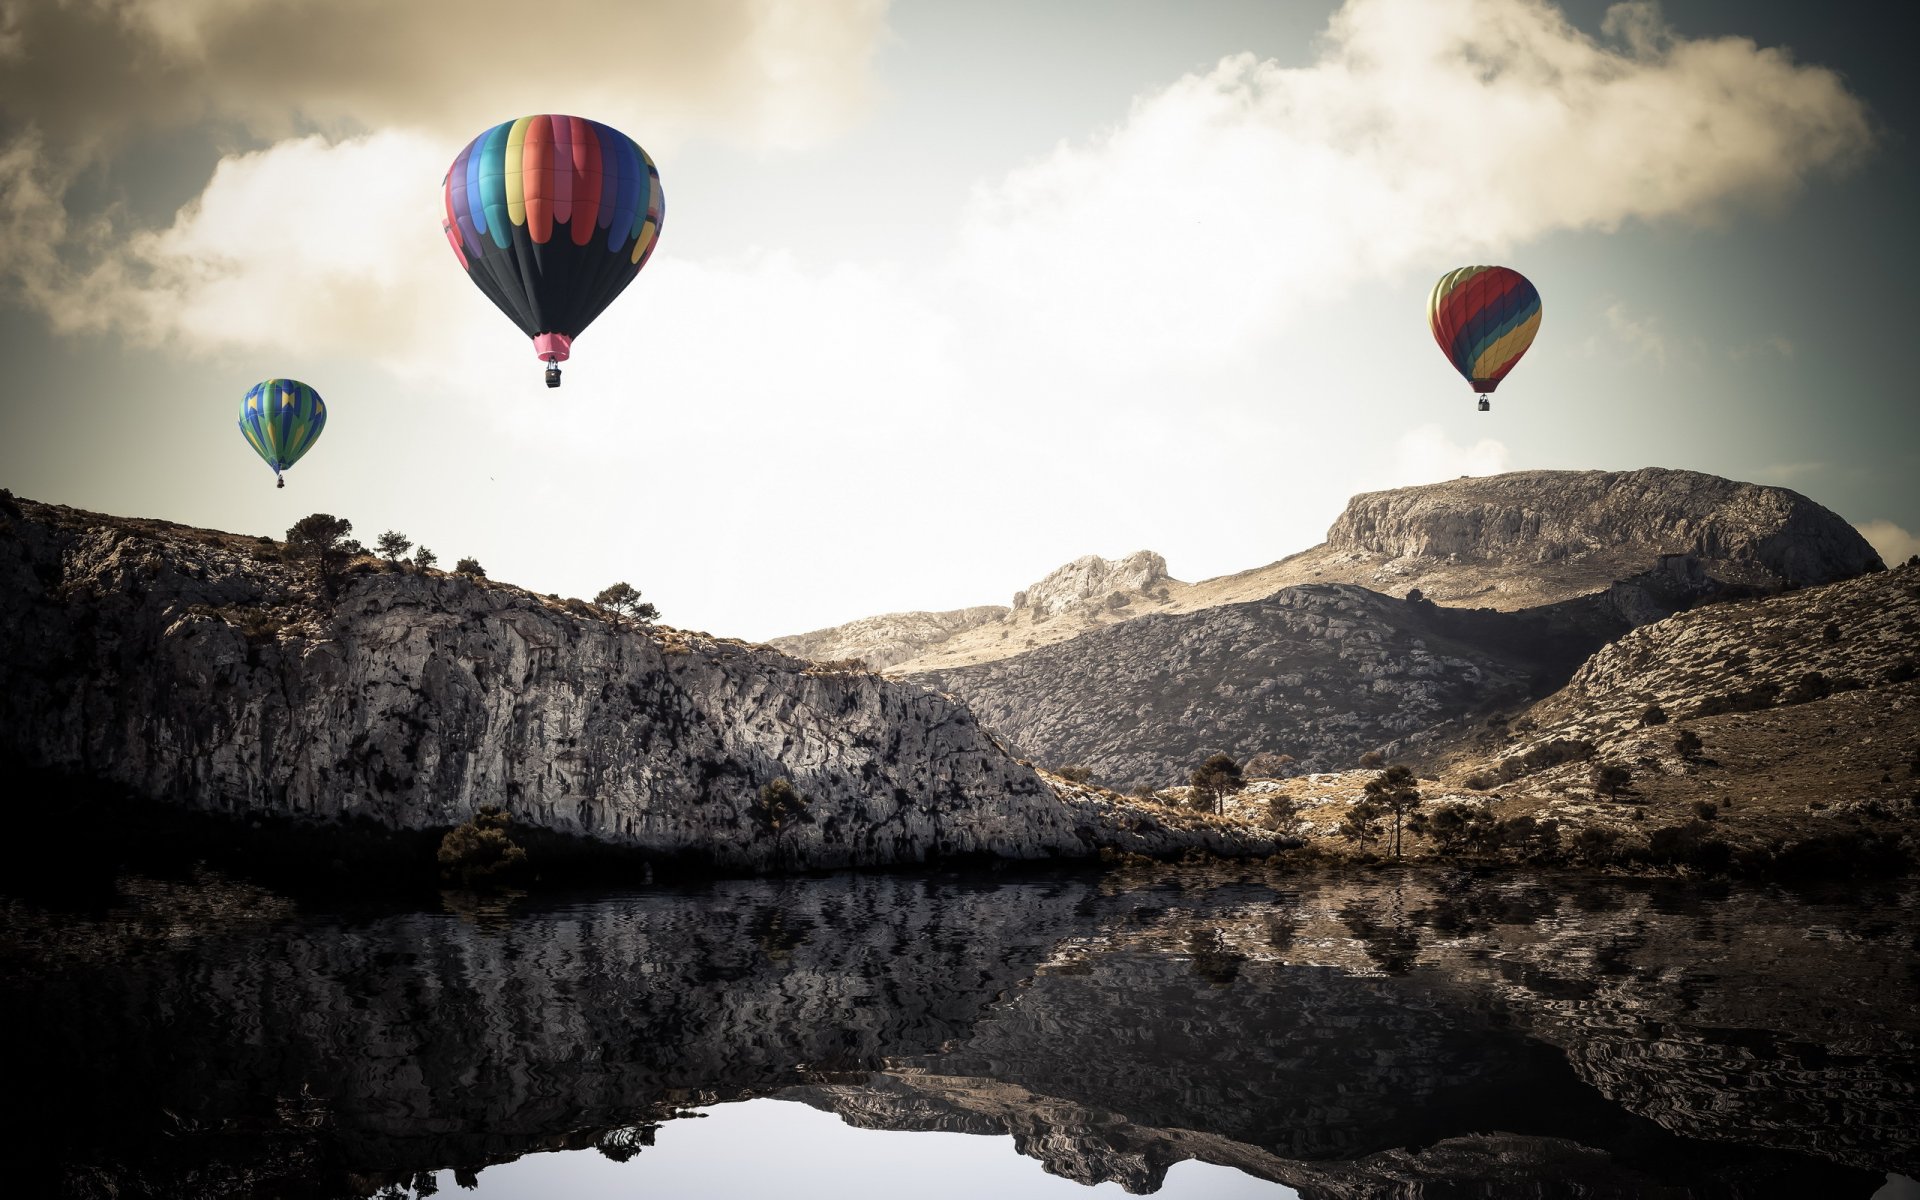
(1416, 1034)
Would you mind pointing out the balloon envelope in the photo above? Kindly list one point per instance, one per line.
(552, 217)
(282, 419)
(1484, 319)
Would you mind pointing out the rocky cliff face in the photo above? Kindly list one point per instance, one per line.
(199, 669)
(1751, 534)
(1092, 578)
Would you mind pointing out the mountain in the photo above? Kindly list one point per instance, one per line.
(1519, 540)
(1308, 658)
(208, 672)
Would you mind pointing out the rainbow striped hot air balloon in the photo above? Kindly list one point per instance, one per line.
(552, 217)
(1484, 319)
(282, 419)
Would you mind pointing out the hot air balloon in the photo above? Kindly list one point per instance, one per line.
(282, 419)
(552, 217)
(1484, 319)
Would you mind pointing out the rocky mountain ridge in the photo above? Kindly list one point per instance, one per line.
(203, 670)
(1518, 540)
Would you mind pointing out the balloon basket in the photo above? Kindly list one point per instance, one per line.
(278, 482)
(1484, 406)
(553, 377)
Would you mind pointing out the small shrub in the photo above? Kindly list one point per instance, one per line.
(1372, 760)
(1415, 595)
(1074, 773)
(1706, 810)
(470, 566)
(1595, 844)
(1901, 671)
(1481, 783)
(1117, 601)
(424, 558)
(1809, 687)
(1691, 844)
(1283, 813)
(1610, 778)
(480, 853)
(1547, 754)
(1753, 699)
(1268, 765)
(1654, 715)
(1831, 633)
(1687, 744)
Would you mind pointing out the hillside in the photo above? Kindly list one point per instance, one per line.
(1806, 707)
(210, 672)
(1321, 673)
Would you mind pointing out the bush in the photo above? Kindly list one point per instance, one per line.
(1706, 810)
(1654, 715)
(1610, 778)
(1267, 765)
(480, 853)
(1117, 601)
(1547, 754)
(1283, 813)
(1480, 783)
(1372, 760)
(1415, 595)
(1809, 687)
(1687, 744)
(1831, 633)
(1074, 773)
(1753, 699)
(1595, 844)
(1692, 844)
(424, 558)
(470, 566)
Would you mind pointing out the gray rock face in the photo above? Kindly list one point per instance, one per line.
(1322, 673)
(1091, 577)
(1759, 535)
(190, 667)
(885, 640)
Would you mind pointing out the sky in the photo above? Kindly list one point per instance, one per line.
(949, 293)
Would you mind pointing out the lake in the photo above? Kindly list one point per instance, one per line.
(1186, 1034)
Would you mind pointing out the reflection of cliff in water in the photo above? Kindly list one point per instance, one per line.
(1344, 1038)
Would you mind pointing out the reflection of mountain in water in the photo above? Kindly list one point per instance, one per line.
(1346, 1038)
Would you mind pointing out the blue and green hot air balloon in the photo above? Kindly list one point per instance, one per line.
(282, 419)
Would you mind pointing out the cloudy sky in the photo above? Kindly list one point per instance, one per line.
(952, 291)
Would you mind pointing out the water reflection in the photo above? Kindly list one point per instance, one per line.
(1420, 1034)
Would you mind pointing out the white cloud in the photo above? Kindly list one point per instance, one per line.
(1894, 544)
(1425, 454)
(1429, 133)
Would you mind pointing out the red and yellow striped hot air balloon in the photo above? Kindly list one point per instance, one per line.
(1484, 319)
(552, 217)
